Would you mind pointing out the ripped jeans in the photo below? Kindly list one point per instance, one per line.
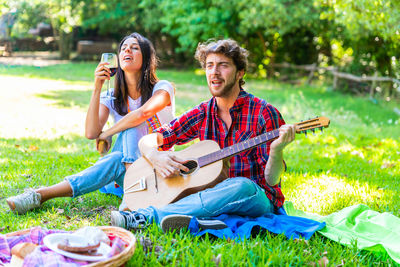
(239, 196)
(109, 168)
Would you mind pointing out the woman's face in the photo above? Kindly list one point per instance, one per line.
(130, 57)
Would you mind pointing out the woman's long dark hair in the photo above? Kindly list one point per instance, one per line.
(148, 76)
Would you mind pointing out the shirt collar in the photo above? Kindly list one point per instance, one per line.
(240, 100)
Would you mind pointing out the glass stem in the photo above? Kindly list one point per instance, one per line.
(108, 89)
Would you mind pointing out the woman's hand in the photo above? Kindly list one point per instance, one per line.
(103, 144)
(101, 74)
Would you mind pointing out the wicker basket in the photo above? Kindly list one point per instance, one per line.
(117, 260)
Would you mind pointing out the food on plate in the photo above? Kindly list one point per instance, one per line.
(89, 249)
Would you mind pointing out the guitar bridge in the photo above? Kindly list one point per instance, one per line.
(141, 183)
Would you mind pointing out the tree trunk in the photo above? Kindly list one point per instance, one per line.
(65, 44)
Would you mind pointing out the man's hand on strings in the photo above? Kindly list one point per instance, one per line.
(166, 163)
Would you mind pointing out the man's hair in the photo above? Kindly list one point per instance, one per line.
(229, 48)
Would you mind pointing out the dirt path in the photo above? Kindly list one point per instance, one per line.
(38, 59)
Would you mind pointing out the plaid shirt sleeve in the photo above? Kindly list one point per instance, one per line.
(182, 129)
(270, 119)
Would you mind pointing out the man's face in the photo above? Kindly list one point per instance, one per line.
(221, 74)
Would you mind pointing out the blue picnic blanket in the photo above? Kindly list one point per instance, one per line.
(111, 189)
(240, 227)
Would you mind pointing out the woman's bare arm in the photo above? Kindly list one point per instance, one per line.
(156, 103)
(97, 114)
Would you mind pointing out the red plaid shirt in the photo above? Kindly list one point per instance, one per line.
(251, 116)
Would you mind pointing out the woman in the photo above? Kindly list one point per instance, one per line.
(139, 104)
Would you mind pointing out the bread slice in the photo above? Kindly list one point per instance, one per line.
(19, 252)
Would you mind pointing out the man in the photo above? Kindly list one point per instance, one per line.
(232, 115)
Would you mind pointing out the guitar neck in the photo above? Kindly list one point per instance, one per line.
(300, 127)
(237, 148)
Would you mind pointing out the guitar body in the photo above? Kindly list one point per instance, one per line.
(141, 174)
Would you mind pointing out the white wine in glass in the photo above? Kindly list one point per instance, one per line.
(112, 61)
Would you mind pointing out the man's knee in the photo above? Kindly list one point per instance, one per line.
(244, 186)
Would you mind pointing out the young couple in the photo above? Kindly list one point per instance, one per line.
(142, 103)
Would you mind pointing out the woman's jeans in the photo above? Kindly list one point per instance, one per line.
(239, 196)
(109, 168)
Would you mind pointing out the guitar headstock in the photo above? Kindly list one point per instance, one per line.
(311, 124)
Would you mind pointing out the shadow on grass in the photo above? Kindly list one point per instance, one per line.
(69, 98)
(67, 72)
(84, 71)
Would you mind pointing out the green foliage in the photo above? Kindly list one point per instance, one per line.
(372, 29)
(363, 17)
(63, 15)
(28, 15)
(112, 16)
(196, 20)
(274, 31)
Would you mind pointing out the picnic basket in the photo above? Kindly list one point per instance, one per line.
(117, 260)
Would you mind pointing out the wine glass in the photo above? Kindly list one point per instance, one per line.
(112, 61)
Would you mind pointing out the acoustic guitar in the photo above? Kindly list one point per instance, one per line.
(144, 187)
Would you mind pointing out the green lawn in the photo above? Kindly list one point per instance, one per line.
(355, 160)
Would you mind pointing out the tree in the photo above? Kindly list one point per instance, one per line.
(191, 22)
(285, 30)
(371, 29)
(64, 15)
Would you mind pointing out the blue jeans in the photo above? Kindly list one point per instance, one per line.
(239, 196)
(109, 168)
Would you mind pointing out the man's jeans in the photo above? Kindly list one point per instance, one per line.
(239, 196)
(109, 168)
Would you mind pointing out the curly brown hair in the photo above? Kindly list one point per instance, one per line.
(229, 48)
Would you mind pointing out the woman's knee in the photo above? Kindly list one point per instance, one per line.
(132, 133)
(114, 156)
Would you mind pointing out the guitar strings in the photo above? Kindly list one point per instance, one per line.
(190, 164)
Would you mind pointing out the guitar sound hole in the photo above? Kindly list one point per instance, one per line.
(191, 165)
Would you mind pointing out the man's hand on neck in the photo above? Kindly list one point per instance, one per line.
(275, 163)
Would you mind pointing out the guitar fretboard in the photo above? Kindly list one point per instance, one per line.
(237, 148)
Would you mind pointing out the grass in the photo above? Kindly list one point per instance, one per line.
(356, 160)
